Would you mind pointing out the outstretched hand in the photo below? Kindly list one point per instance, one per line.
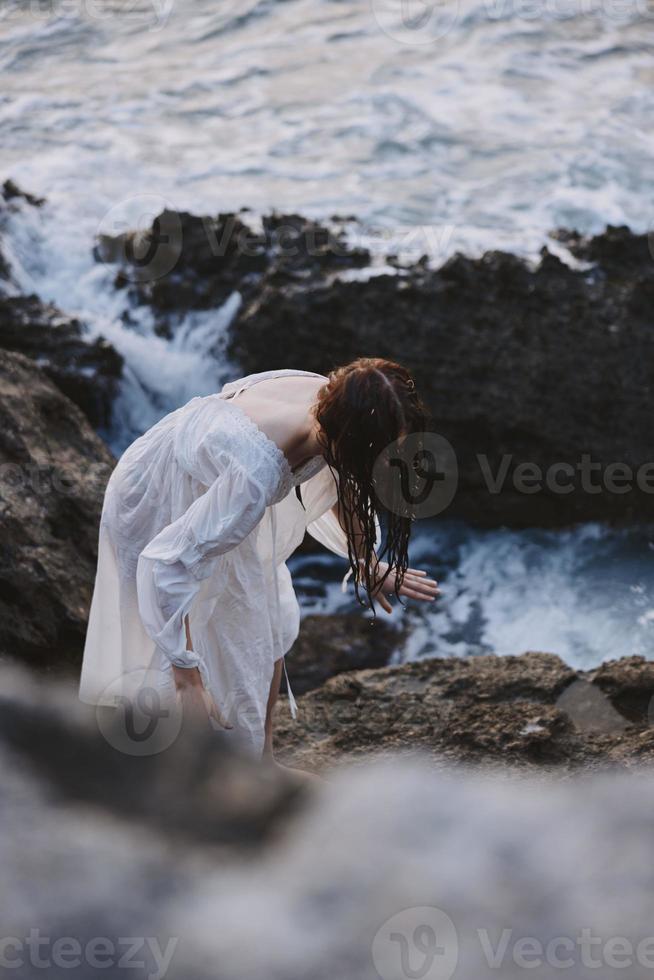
(416, 585)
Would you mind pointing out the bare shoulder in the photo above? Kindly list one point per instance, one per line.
(290, 390)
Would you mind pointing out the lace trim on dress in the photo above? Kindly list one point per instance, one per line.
(288, 478)
(267, 444)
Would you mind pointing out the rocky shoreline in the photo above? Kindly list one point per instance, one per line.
(543, 364)
(53, 471)
(523, 713)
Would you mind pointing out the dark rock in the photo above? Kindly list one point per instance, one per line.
(184, 262)
(498, 712)
(53, 471)
(330, 645)
(617, 252)
(11, 191)
(87, 372)
(545, 366)
(629, 683)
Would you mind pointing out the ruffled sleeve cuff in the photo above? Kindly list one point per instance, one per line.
(188, 659)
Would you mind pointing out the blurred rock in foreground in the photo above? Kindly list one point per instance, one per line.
(193, 865)
(53, 471)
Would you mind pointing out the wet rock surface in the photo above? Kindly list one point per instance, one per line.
(548, 367)
(86, 371)
(525, 712)
(186, 262)
(331, 645)
(53, 471)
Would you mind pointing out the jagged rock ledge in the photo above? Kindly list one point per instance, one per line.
(525, 712)
(53, 471)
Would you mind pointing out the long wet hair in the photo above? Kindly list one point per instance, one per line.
(365, 406)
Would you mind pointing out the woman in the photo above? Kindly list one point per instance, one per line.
(192, 594)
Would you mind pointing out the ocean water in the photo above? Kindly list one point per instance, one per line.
(586, 594)
(479, 122)
(468, 125)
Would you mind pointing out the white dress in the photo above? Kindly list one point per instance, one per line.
(199, 517)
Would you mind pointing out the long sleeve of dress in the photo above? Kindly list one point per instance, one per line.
(172, 567)
(319, 494)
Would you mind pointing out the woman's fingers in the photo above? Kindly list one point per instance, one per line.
(419, 579)
(383, 602)
(423, 596)
(417, 587)
(426, 587)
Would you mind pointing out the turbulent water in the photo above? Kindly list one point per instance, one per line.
(586, 594)
(490, 120)
(463, 125)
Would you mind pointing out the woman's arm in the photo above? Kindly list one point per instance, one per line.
(188, 682)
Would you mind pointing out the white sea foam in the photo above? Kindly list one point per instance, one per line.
(586, 594)
(521, 117)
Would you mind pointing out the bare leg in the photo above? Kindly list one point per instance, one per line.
(272, 701)
(268, 745)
